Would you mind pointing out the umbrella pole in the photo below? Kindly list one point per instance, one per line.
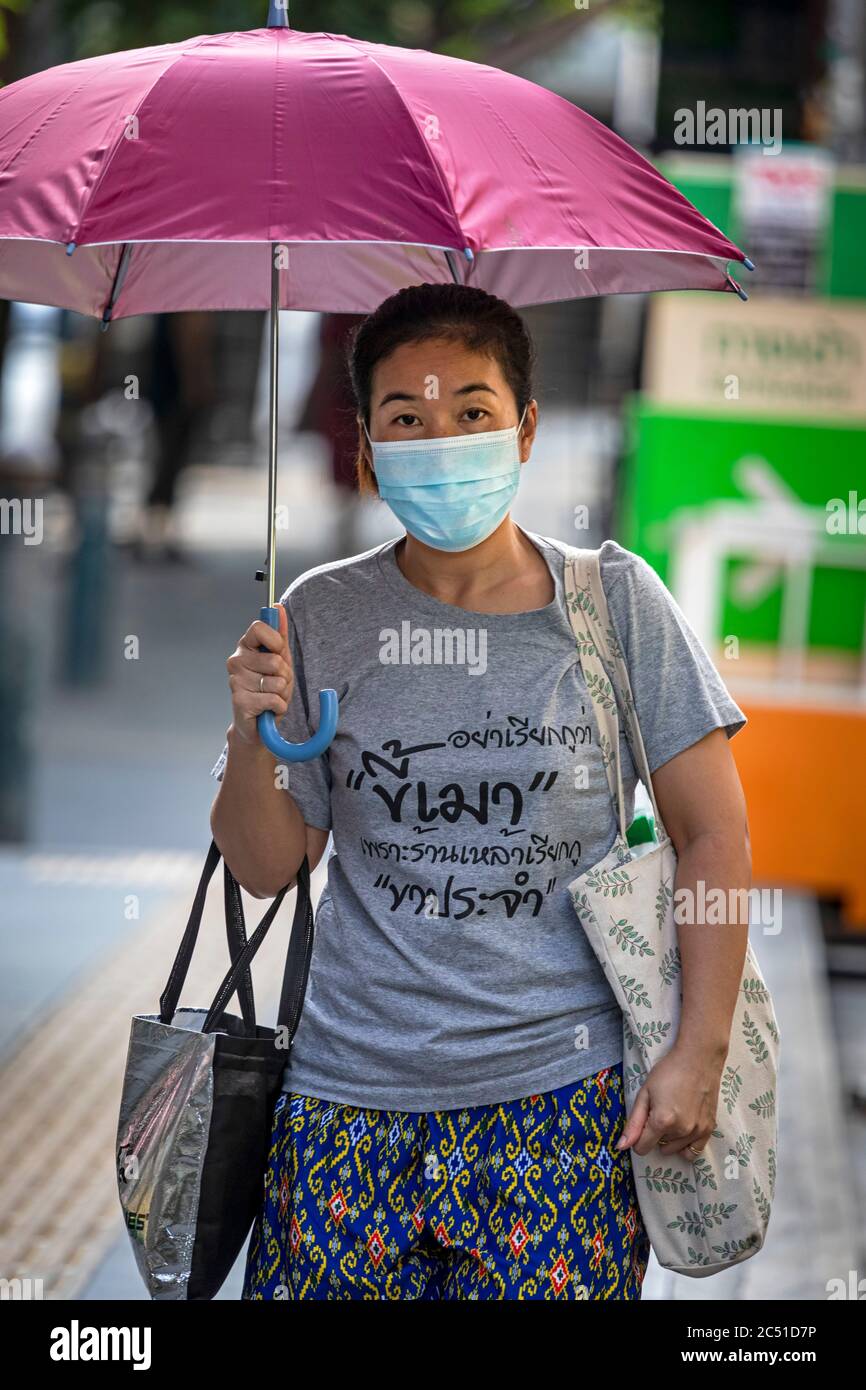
(328, 703)
(278, 18)
(274, 370)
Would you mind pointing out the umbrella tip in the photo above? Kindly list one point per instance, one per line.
(750, 265)
(70, 248)
(738, 289)
(278, 14)
(469, 253)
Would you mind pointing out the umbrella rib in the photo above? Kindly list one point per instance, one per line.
(119, 277)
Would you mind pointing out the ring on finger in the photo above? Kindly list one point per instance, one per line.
(261, 685)
(696, 1152)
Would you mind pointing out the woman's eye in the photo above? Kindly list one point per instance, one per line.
(476, 411)
(406, 419)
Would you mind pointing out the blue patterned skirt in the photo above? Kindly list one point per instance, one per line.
(527, 1199)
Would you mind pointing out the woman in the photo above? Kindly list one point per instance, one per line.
(452, 1121)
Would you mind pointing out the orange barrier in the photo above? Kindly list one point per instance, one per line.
(803, 770)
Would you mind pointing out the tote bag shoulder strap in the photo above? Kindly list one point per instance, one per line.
(243, 951)
(606, 673)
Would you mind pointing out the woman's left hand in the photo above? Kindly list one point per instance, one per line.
(677, 1103)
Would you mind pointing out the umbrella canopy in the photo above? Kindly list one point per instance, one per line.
(275, 169)
(171, 169)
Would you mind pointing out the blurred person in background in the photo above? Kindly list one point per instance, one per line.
(182, 388)
(329, 410)
(82, 366)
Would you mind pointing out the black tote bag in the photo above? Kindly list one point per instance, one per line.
(198, 1095)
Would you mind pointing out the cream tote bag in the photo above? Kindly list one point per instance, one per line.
(706, 1215)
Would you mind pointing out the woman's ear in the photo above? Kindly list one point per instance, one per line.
(527, 434)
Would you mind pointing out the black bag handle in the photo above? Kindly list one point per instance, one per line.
(236, 932)
(177, 974)
(298, 957)
(243, 951)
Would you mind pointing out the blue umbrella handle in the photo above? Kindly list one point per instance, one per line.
(267, 725)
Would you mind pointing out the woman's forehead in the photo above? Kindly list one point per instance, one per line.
(414, 362)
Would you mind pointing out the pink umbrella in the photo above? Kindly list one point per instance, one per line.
(275, 169)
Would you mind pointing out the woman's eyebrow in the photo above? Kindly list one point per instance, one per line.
(475, 386)
(461, 391)
(397, 396)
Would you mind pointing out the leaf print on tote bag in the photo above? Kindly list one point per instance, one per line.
(706, 1215)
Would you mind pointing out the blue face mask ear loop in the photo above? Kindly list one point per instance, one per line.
(367, 433)
(520, 426)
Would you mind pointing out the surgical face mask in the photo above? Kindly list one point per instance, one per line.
(451, 492)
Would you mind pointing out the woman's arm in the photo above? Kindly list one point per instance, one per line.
(701, 801)
(256, 823)
(702, 805)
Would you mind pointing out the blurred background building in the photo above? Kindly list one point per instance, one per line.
(725, 443)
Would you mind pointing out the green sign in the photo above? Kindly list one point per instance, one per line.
(761, 493)
(708, 183)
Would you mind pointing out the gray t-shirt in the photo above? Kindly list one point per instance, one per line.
(463, 796)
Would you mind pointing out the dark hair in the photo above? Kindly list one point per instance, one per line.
(461, 313)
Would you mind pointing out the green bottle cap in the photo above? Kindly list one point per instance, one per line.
(641, 831)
